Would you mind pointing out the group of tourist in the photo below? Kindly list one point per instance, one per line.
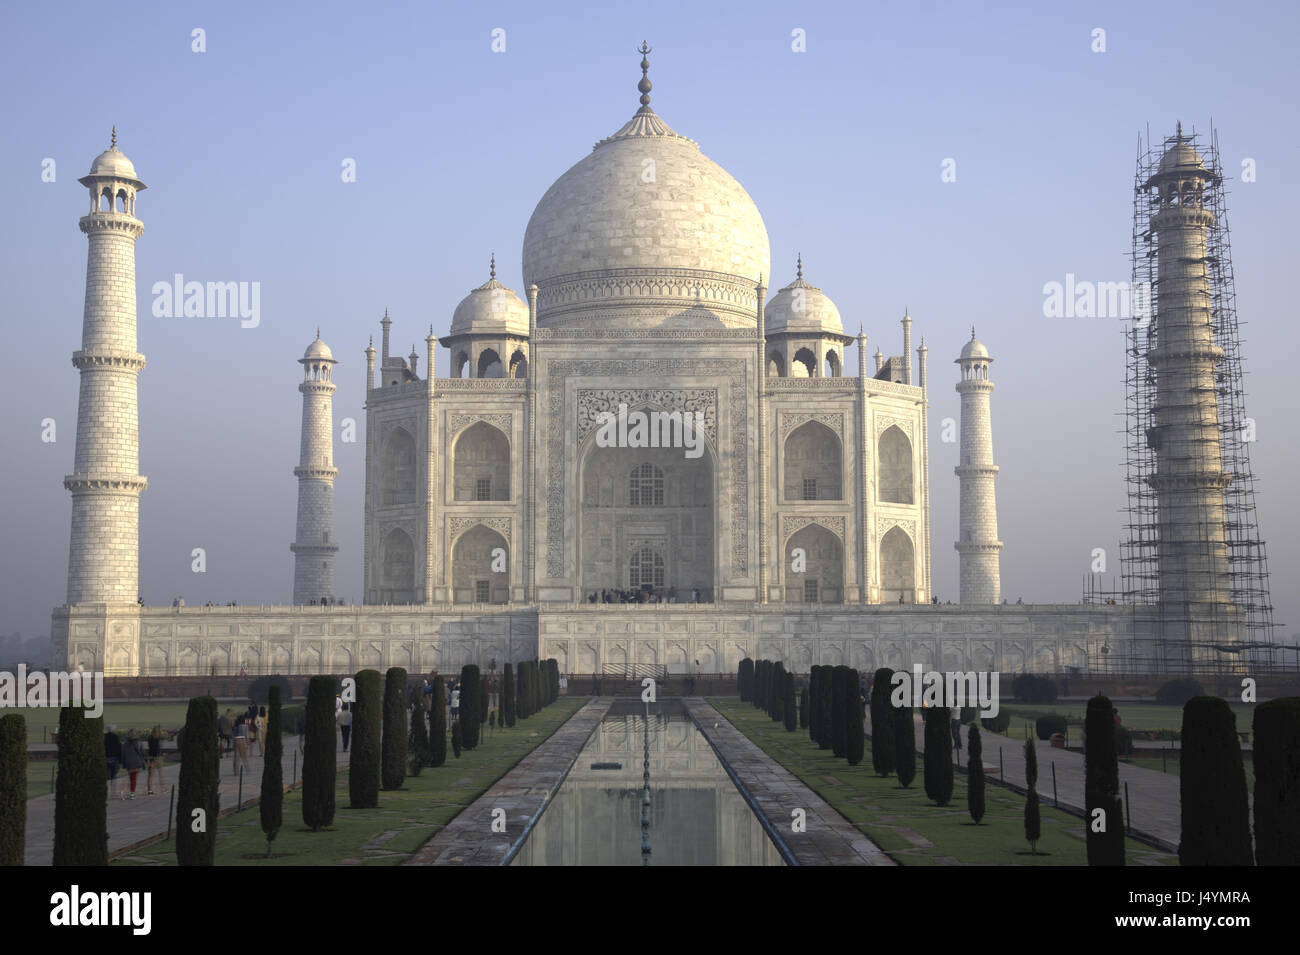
(133, 754)
(238, 733)
(646, 595)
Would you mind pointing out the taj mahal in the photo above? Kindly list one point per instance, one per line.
(499, 526)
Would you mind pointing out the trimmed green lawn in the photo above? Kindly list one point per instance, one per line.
(42, 720)
(405, 820)
(907, 825)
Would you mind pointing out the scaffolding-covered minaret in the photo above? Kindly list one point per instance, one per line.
(1195, 569)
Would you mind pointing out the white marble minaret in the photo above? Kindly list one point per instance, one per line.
(104, 559)
(314, 547)
(978, 544)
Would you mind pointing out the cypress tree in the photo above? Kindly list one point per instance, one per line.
(814, 689)
(271, 807)
(1212, 784)
(839, 688)
(438, 724)
(904, 744)
(791, 713)
(393, 748)
(882, 728)
(522, 692)
(756, 698)
(803, 707)
(764, 684)
(776, 705)
(471, 686)
(80, 794)
(854, 746)
(938, 754)
(364, 762)
(13, 789)
(824, 741)
(554, 670)
(1277, 781)
(1033, 824)
(745, 680)
(319, 764)
(508, 695)
(200, 777)
(1101, 785)
(418, 743)
(975, 773)
(457, 738)
(484, 701)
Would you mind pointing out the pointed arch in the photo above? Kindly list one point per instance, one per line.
(895, 467)
(397, 480)
(813, 464)
(481, 464)
(897, 567)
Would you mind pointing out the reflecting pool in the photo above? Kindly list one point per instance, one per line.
(696, 814)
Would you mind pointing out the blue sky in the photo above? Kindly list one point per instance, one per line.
(840, 146)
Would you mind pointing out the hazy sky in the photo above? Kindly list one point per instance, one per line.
(842, 147)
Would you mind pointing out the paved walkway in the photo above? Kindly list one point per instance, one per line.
(523, 793)
(1153, 801)
(775, 792)
(133, 821)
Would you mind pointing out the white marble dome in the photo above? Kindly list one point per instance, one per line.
(801, 307)
(649, 222)
(318, 350)
(973, 349)
(492, 307)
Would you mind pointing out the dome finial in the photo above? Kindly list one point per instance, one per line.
(798, 267)
(644, 86)
(972, 333)
(492, 271)
(317, 333)
(113, 144)
(1180, 132)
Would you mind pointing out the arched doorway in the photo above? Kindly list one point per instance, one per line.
(815, 567)
(480, 567)
(647, 522)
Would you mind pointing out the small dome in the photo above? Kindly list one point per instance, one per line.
(318, 350)
(111, 162)
(801, 307)
(1181, 157)
(492, 307)
(974, 348)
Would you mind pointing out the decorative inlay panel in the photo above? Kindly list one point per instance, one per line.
(591, 402)
(458, 525)
(791, 524)
(885, 422)
(790, 421)
(457, 422)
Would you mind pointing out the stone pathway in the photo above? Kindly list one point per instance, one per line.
(523, 793)
(1155, 801)
(775, 792)
(140, 820)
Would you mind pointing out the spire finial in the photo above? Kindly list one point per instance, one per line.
(1180, 132)
(493, 269)
(798, 267)
(113, 144)
(386, 318)
(372, 341)
(644, 86)
(317, 333)
(972, 333)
